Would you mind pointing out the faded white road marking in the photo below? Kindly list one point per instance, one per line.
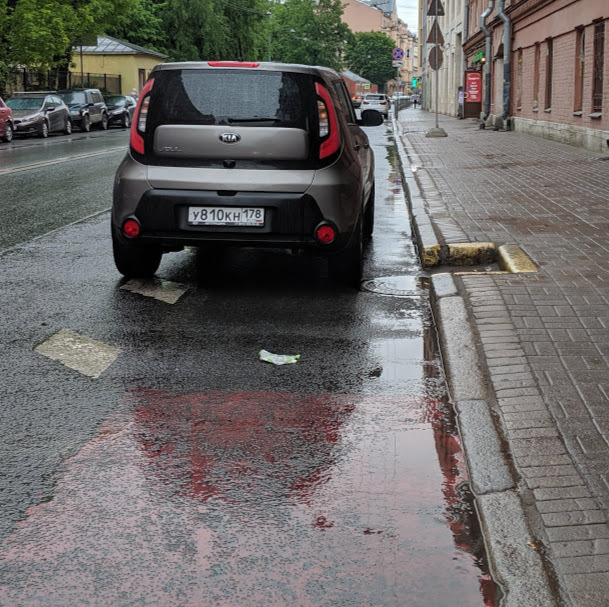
(83, 354)
(163, 290)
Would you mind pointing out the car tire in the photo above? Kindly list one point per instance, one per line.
(136, 260)
(369, 216)
(8, 133)
(126, 122)
(44, 130)
(67, 129)
(85, 123)
(347, 265)
(103, 125)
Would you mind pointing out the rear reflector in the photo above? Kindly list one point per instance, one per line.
(233, 64)
(325, 234)
(131, 228)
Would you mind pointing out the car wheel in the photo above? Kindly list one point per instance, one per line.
(103, 125)
(136, 260)
(126, 121)
(347, 265)
(369, 216)
(85, 123)
(67, 129)
(44, 130)
(8, 132)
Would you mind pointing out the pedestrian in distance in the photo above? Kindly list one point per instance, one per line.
(414, 104)
(134, 94)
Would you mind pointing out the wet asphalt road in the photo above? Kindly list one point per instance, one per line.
(191, 473)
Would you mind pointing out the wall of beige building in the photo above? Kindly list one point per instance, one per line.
(361, 17)
(451, 73)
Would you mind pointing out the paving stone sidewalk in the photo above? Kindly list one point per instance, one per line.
(543, 337)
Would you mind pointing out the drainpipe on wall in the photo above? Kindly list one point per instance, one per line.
(507, 58)
(465, 31)
(487, 58)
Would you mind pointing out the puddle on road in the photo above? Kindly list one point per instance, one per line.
(252, 498)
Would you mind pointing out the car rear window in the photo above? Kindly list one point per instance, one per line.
(223, 97)
(375, 97)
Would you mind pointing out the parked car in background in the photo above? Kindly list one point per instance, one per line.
(6, 122)
(87, 108)
(39, 113)
(378, 102)
(120, 109)
(286, 166)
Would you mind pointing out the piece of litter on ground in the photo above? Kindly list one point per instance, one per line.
(163, 290)
(278, 359)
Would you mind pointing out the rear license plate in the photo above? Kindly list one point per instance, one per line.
(226, 216)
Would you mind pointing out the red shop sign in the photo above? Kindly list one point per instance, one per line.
(473, 87)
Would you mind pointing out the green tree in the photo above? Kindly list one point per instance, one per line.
(369, 55)
(309, 32)
(41, 33)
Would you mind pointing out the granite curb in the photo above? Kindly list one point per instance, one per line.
(516, 565)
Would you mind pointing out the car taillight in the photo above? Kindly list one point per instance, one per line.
(328, 124)
(139, 119)
(365, 103)
(383, 103)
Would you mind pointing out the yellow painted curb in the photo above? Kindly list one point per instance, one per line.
(430, 256)
(471, 253)
(513, 259)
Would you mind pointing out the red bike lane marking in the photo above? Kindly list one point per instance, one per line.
(253, 498)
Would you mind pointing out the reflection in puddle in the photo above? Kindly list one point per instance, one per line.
(257, 498)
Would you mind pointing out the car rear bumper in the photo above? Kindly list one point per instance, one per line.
(290, 220)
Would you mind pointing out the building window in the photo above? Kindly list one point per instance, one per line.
(519, 80)
(580, 43)
(549, 61)
(599, 57)
(536, 77)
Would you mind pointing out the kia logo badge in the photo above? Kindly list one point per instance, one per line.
(230, 138)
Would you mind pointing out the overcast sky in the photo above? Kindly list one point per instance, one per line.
(408, 11)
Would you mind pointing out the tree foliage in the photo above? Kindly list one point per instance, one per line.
(369, 55)
(309, 32)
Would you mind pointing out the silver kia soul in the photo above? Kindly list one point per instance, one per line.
(245, 154)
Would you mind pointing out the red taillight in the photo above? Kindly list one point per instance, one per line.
(139, 119)
(365, 103)
(325, 234)
(233, 64)
(131, 228)
(327, 117)
(383, 103)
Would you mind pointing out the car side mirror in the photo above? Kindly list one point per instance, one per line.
(371, 118)
(51, 108)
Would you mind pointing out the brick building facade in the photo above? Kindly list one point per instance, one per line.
(545, 66)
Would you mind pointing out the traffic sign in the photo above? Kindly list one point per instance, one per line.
(436, 57)
(435, 9)
(398, 54)
(398, 63)
(435, 34)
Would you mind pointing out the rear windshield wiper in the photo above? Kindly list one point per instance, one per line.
(253, 120)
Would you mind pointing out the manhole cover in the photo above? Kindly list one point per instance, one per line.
(398, 286)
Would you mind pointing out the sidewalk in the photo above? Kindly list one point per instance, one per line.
(541, 339)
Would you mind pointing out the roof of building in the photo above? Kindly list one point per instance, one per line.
(111, 46)
(353, 76)
(387, 6)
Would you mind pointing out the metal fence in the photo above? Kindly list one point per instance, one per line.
(27, 79)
